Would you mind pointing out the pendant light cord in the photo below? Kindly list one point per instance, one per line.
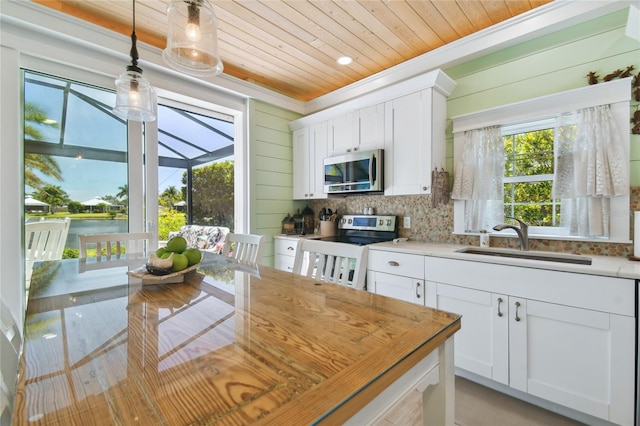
(134, 48)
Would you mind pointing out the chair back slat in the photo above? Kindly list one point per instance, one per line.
(244, 247)
(134, 242)
(337, 263)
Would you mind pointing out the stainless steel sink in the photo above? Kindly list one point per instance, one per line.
(529, 255)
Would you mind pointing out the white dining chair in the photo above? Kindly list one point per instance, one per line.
(338, 263)
(6, 404)
(115, 244)
(9, 327)
(244, 247)
(8, 373)
(44, 240)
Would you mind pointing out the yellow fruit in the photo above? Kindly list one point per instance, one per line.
(161, 251)
(176, 245)
(180, 262)
(193, 254)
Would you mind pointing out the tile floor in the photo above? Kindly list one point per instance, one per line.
(477, 405)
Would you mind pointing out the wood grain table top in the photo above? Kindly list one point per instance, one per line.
(233, 344)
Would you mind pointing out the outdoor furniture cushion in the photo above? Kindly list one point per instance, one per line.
(209, 238)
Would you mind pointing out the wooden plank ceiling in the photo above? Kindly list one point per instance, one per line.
(291, 46)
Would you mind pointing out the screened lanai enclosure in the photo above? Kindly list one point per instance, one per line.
(76, 147)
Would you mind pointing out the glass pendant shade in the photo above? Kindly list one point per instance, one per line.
(135, 97)
(192, 40)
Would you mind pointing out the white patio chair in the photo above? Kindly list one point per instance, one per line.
(337, 263)
(134, 242)
(246, 247)
(44, 240)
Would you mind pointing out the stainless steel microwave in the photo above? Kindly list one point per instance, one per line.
(355, 172)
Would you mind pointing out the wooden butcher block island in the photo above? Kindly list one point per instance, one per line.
(233, 344)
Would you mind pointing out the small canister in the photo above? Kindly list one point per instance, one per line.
(288, 225)
(484, 238)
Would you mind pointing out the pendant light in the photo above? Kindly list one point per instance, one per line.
(192, 41)
(135, 97)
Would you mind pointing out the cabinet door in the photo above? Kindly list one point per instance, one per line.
(396, 286)
(575, 357)
(301, 164)
(408, 150)
(318, 151)
(371, 127)
(482, 344)
(342, 134)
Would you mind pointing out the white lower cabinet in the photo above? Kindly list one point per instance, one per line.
(285, 250)
(574, 357)
(482, 345)
(570, 339)
(400, 276)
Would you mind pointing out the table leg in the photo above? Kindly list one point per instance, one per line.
(438, 392)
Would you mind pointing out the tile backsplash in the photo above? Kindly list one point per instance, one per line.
(435, 224)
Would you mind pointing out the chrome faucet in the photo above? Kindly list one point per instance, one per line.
(522, 231)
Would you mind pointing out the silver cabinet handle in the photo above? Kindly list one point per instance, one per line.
(417, 294)
(499, 302)
(517, 306)
(393, 263)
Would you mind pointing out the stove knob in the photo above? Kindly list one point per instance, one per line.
(380, 222)
(388, 222)
(349, 220)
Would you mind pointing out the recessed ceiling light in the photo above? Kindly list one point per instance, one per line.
(344, 60)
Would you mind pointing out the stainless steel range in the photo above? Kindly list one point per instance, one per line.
(365, 229)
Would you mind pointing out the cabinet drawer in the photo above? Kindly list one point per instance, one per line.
(284, 263)
(285, 246)
(408, 265)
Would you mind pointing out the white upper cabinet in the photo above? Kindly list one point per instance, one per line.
(360, 130)
(309, 151)
(371, 126)
(415, 142)
(407, 120)
(342, 134)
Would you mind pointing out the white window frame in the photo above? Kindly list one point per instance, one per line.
(616, 93)
(532, 126)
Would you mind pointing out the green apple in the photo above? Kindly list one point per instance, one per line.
(193, 254)
(180, 262)
(176, 244)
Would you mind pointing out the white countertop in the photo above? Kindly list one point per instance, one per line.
(612, 266)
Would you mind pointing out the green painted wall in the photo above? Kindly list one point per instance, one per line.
(270, 171)
(546, 65)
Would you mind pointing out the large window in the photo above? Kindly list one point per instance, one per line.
(528, 174)
(76, 155)
(532, 162)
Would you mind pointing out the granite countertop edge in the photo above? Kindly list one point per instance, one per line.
(611, 266)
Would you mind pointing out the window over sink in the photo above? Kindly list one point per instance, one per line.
(527, 160)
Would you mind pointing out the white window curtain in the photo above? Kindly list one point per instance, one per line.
(479, 176)
(591, 168)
